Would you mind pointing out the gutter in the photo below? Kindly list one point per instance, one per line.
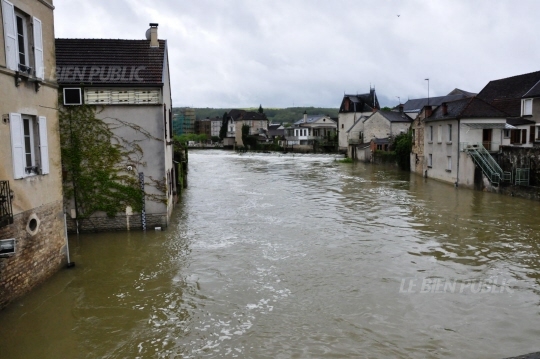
(458, 154)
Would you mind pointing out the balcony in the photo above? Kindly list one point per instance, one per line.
(488, 145)
(6, 210)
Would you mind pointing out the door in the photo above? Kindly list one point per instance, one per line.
(486, 138)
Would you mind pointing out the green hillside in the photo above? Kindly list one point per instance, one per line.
(275, 115)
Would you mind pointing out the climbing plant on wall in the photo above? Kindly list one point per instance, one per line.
(98, 165)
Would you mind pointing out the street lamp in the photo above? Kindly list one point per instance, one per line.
(427, 91)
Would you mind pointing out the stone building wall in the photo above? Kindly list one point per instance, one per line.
(38, 255)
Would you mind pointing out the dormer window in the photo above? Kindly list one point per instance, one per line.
(526, 107)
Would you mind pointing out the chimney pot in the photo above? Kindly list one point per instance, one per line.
(152, 35)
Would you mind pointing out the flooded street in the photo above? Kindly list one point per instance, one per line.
(273, 256)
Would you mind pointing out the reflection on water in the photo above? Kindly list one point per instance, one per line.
(273, 256)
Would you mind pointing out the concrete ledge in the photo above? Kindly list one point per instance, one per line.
(527, 356)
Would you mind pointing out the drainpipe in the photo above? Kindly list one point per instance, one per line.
(458, 153)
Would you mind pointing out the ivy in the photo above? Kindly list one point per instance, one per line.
(96, 163)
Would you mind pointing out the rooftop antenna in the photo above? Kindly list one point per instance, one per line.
(399, 99)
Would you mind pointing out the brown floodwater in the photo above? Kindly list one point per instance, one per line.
(271, 256)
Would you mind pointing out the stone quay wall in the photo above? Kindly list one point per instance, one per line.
(117, 223)
(39, 253)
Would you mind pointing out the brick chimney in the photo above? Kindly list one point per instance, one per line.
(152, 35)
(428, 110)
(400, 108)
(444, 109)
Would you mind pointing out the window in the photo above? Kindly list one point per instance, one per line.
(515, 137)
(22, 41)
(413, 136)
(527, 107)
(342, 125)
(123, 97)
(449, 164)
(439, 134)
(506, 133)
(449, 138)
(430, 133)
(29, 145)
(17, 26)
(430, 160)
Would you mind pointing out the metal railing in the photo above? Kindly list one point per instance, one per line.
(6, 210)
(486, 162)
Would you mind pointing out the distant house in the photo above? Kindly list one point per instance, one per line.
(32, 241)
(311, 130)
(518, 96)
(379, 130)
(351, 110)
(418, 110)
(129, 82)
(456, 129)
(215, 126)
(257, 122)
(276, 131)
(204, 127)
(232, 117)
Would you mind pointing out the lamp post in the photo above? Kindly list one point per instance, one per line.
(427, 91)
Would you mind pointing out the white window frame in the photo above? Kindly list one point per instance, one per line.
(430, 134)
(526, 107)
(22, 17)
(449, 164)
(439, 134)
(430, 160)
(19, 149)
(10, 16)
(449, 137)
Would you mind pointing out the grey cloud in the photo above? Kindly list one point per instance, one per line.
(241, 53)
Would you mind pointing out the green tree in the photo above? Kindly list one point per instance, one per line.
(403, 147)
(386, 108)
(223, 129)
(261, 109)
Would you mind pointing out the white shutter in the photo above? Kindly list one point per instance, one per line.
(38, 49)
(10, 35)
(17, 144)
(43, 145)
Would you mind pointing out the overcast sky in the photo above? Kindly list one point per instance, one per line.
(283, 53)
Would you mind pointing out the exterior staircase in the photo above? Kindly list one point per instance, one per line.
(487, 163)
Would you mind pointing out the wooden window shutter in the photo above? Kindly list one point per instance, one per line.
(17, 144)
(38, 49)
(43, 145)
(523, 136)
(531, 134)
(10, 35)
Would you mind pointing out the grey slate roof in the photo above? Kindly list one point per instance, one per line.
(520, 121)
(416, 105)
(109, 62)
(467, 108)
(360, 102)
(311, 119)
(395, 116)
(534, 91)
(506, 94)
